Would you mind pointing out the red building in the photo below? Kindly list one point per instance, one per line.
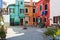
(43, 11)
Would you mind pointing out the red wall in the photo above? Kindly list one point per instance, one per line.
(38, 12)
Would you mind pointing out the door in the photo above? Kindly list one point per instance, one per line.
(11, 21)
(21, 22)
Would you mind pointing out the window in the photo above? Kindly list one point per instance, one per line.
(55, 19)
(44, 19)
(12, 21)
(33, 10)
(36, 19)
(21, 10)
(40, 7)
(33, 19)
(21, 2)
(26, 19)
(26, 10)
(40, 19)
(26, 22)
(46, 6)
(11, 10)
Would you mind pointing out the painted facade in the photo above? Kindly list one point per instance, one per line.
(43, 11)
(30, 13)
(16, 12)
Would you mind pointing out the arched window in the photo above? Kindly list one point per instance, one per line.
(46, 6)
(26, 10)
(40, 7)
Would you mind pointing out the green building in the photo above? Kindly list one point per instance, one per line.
(16, 12)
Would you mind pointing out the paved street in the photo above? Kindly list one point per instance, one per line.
(32, 33)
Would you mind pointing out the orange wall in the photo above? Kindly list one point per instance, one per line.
(30, 14)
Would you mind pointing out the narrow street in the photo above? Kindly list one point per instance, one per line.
(31, 33)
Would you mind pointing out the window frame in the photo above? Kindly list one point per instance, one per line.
(41, 7)
(10, 10)
(34, 10)
(21, 10)
(46, 8)
(45, 19)
(34, 19)
(26, 10)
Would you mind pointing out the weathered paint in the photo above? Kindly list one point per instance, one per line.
(38, 12)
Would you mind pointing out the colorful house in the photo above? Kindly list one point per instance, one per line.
(30, 13)
(16, 12)
(43, 11)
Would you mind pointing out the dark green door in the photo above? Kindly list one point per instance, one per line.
(11, 21)
(21, 22)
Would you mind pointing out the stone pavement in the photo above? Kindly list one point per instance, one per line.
(31, 33)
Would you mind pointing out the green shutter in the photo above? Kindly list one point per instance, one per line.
(40, 7)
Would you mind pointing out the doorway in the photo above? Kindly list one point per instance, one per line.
(21, 21)
(11, 21)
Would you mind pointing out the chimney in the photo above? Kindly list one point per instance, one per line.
(31, 2)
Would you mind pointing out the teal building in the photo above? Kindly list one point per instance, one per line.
(16, 12)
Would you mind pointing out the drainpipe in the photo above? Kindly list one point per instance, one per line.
(18, 10)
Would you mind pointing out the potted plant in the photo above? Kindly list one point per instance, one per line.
(2, 33)
(50, 32)
(2, 28)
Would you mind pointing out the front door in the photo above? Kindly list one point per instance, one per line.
(11, 21)
(21, 22)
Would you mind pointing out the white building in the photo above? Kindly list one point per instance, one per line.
(54, 9)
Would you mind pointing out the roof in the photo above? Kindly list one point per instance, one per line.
(11, 5)
(28, 4)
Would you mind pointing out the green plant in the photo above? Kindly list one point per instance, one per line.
(2, 33)
(51, 32)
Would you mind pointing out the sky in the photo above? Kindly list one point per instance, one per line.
(13, 1)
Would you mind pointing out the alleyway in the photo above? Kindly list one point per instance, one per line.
(32, 33)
